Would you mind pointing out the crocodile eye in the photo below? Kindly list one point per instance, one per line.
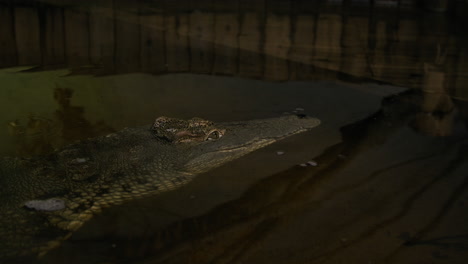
(214, 135)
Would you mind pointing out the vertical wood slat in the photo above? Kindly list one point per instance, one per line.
(27, 36)
(226, 32)
(76, 37)
(226, 43)
(176, 24)
(302, 48)
(152, 50)
(127, 36)
(53, 37)
(355, 47)
(7, 37)
(406, 56)
(379, 56)
(328, 42)
(201, 39)
(277, 46)
(101, 36)
(250, 46)
(177, 55)
(251, 38)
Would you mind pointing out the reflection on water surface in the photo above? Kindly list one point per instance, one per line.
(387, 79)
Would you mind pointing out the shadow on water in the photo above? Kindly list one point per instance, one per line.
(382, 180)
(74, 124)
(40, 135)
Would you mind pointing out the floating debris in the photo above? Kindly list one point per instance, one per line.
(299, 109)
(79, 160)
(279, 153)
(13, 124)
(53, 204)
(309, 163)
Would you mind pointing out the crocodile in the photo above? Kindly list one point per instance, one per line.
(44, 199)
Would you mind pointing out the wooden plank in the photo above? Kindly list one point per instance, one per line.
(7, 38)
(251, 38)
(355, 47)
(250, 45)
(127, 37)
(302, 49)
(53, 37)
(76, 37)
(177, 56)
(405, 61)
(201, 40)
(277, 46)
(101, 36)
(328, 42)
(152, 50)
(226, 43)
(27, 36)
(378, 62)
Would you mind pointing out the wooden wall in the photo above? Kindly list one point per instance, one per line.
(275, 40)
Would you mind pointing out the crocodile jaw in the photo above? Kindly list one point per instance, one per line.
(243, 138)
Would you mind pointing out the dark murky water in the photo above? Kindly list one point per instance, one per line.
(388, 79)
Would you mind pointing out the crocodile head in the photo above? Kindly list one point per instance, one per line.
(212, 145)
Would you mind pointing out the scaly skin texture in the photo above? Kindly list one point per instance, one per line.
(135, 162)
